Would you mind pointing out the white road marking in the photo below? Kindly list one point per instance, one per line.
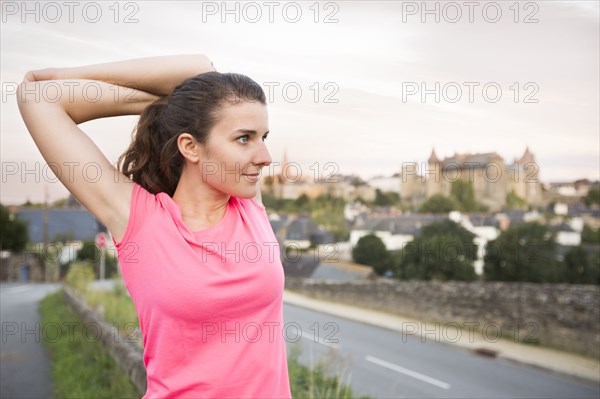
(408, 372)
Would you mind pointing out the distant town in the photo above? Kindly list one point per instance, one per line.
(459, 215)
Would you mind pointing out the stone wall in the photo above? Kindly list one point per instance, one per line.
(125, 353)
(10, 267)
(563, 316)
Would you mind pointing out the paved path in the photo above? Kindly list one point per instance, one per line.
(24, 363)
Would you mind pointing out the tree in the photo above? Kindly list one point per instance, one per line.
(91, 253)
(438, 203)
(513, 201)
(590, 235)
(578, 267)
(302, 202)
(13, 231)
(328, 212)
(525, 252)
(370, 250)
(385, 198)
(593, 196)
(450, 228)
(444, 251)
(463, 193)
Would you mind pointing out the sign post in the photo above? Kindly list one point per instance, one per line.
(101, 240)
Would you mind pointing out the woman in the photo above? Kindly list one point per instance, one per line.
(196, 250)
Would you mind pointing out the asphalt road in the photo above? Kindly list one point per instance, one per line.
(24, 364)
(374, 361)
(386, 364)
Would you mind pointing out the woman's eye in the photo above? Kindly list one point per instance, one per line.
(243, 139)
(265, 137)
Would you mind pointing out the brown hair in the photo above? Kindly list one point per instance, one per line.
(153, 159)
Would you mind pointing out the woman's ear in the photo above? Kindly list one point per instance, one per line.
(189, 147)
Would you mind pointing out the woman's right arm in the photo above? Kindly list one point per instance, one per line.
(52, 109)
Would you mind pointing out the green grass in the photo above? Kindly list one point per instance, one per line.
(116, 306)
(316, 382)
(81, 368)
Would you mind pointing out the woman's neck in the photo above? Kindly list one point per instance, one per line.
(201, 205)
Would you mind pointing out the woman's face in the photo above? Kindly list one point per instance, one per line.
(235, 151)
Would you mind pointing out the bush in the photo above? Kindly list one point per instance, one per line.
(370, 250)
(79, 276)
(438, 203)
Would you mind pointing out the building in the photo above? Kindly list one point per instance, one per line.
(291, 183)
(69, 222)
(492, 178)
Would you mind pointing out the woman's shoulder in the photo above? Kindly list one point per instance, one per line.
(142, 205)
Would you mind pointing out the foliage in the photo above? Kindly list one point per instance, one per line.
(448, 227)
(590, 235)
(593, 196)
(438, 203)
(464, 195)
(325, 210)
(370, 250)
(118, 308)
(328, 212)
(513, 201)
(579, 267)
(13, 231)
(62, 237)
(81, 368)
(386, 198)
(314, 382)
(444, 251)
(79, 276)
(525, 252)
(302, 202)
(91, 253)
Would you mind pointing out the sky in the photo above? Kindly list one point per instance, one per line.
(353, 87)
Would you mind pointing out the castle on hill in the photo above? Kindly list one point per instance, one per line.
(492, 178)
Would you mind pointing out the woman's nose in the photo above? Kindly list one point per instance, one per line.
(262, 156)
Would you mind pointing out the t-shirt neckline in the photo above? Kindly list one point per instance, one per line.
(175, 211)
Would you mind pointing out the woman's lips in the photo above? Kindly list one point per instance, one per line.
(252, 176)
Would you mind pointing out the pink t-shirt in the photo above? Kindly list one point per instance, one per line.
(210, 303)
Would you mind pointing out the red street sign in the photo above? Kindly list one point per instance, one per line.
(101, 240)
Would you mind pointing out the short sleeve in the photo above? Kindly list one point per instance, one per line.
(142, 205)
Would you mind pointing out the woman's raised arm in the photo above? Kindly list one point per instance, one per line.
(155, 75)
(54, 101)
